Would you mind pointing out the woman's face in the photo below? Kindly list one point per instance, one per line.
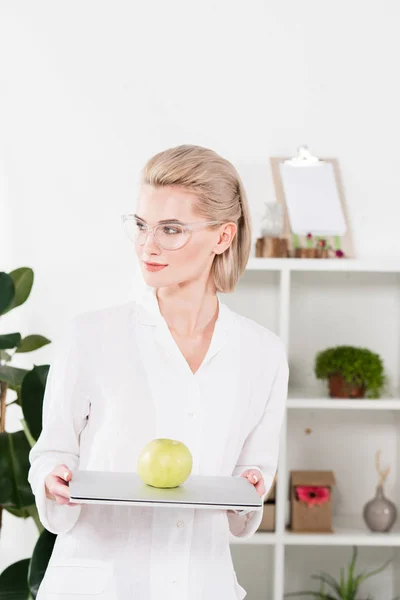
(195, 257)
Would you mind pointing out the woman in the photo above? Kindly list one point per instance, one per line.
(174, 363)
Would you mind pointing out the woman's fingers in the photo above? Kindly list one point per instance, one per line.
(57, 487)
(255, 477)
(260, 487)
(62, 471)
(60, 491)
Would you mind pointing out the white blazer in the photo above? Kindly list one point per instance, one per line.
(119, 380)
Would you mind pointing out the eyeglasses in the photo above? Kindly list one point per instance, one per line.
(169, 236)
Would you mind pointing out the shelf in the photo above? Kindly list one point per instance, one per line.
(348, 531)
(321, 264)
(259, 538)
(357, 304)
(303, 399)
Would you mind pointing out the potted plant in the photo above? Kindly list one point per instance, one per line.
(351, 372)
(21, 580)
(346, 588)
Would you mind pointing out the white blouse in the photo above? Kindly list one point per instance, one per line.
(119, 380)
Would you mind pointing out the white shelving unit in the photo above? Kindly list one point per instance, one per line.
(302, 402)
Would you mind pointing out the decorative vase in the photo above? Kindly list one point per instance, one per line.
(340, 388)
(380, 513)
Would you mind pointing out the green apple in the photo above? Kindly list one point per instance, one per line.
(164, 463)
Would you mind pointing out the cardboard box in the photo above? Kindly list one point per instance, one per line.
(315, 518)
(268, 518)
(271, 496)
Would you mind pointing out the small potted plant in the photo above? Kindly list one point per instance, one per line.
(322, 248)
(309, 251)
(345, 588)
(351, 372)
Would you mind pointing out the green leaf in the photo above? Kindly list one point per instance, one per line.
(28, 434)
(23, 282)
(342, 583)
(14, 581)
(365, 576)
(22, 513)
(7, 292)
(32, 342)
(328, 579)
(15, 490)
(12, 375)
(312, 594)
(32, 394)
(5, 356)
(352, 584)
(40, 559)
(9, 340)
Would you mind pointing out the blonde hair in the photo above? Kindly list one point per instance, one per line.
(220, 197)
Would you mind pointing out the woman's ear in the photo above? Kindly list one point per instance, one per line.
(226, 235)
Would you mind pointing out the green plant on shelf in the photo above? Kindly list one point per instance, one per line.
(357, 366)
(346, 587)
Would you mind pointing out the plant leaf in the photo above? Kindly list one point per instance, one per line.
(313, 594)
(5, 356)
(342, 583)
(7, 291)
(352, 584)
(32, 342)
(328, 579)
(15, 490)
(40, 558)
(365, 576)
(14, 581)
(12, 375)
(23, 282)
(9, 340)
(32, 395)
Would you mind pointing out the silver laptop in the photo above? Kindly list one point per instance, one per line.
(198, 491)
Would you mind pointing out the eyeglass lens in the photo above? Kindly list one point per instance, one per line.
(167, 235)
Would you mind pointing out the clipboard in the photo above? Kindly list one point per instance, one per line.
(311, 191)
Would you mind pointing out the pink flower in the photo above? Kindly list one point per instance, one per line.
(313, 494)
(309, 236)
(339, 253)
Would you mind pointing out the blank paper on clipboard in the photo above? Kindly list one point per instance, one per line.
(312, 200)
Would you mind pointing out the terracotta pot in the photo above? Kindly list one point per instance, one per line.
(305, 252)
(339, 388)
(321, 253)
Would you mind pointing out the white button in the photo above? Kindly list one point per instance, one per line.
(180, 524)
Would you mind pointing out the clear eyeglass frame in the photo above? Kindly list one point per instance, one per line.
(187, 229)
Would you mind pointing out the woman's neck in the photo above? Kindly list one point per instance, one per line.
(188, 309)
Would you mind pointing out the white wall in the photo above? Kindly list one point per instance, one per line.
(90, 90)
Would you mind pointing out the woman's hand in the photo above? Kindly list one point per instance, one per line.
(255, 477)
(56, 487)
